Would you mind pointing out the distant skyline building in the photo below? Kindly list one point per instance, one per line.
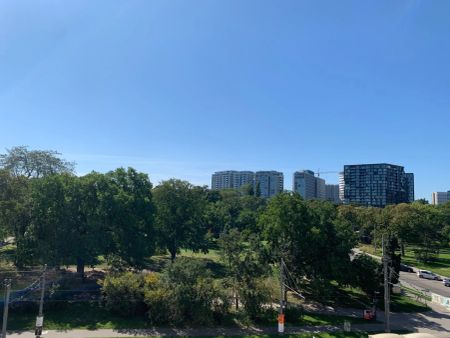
(231, 179)
(440, 197)
(341, 186)
(410, 188)
(269, 183)
(308, 185)
(376, 185)
(332, 193)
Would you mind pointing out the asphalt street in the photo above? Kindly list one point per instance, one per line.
(425, 284)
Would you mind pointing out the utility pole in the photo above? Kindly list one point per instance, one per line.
(282, 298)
(387, 325)
(5, 308)
(40, 317)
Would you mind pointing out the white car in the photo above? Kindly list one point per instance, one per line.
(427, 275)
(446, 281)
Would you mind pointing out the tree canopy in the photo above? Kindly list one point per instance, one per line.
(20, 161)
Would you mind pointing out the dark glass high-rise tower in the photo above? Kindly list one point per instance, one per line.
(377, 184)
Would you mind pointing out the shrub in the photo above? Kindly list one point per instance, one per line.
(253, 296)
(185, 293)
(156, 300)
(124, 293)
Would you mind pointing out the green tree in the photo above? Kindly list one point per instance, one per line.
(428, 234)
(14, 215)
(365, 273)
(247, 262)
(73, 219)
(126, 212)
(20, 161)
(62, 228)
(180, 217)
(306, 236)
(405, 219)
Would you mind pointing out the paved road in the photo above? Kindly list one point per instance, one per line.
(426, 284)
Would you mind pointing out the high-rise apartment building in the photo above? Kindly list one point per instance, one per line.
(269, 183)
(332, 193)
(341, 186)
(231, 179)
(308, 185)
(410, 188)
(376, 185)
(440, 197)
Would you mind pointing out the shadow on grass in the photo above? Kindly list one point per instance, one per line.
(82, 315)
(159, 263)
(405, 304)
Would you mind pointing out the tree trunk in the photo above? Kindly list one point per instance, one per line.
(236, 300)
(403, 249)
(80, 267)
(173, 254)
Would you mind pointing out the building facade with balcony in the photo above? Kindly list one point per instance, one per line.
(376, 185)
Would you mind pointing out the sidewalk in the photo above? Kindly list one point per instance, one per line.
(109, 333)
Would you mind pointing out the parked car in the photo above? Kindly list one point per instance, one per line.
(446, 281)
(406, 268)
(427, 275)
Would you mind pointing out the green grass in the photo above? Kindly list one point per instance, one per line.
(297, 317)
(74, 316)
(323, 319)
(368, 248)
(403, 303)
(84, 315)
(441, 265)
(211, 259)
(416, 293)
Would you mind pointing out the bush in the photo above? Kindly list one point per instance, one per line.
(365, 273)
(124, 293)
(156, 300)
(185, 293)
(253, 296)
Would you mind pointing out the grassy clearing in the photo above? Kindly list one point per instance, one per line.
(211, 259)
(369, 248)
(441, 265)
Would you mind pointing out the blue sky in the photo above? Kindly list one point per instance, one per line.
(185, 88)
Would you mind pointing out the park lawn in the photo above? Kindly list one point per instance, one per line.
(81, 315)
(309, 319)
(440, 266)
(405, 304)
(85, 315)
(211, 259)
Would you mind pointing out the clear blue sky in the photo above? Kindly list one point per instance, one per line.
(185, 88)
